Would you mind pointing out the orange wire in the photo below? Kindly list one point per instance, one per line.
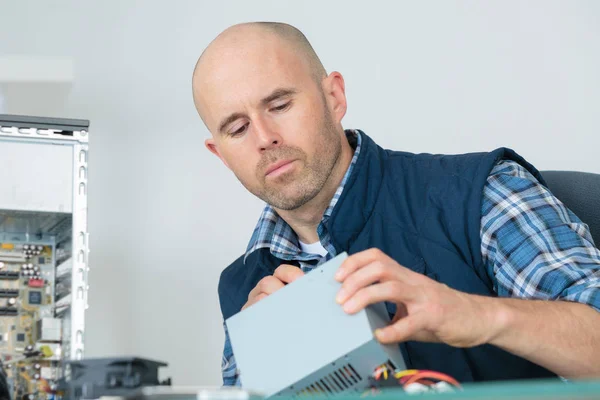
(434, 375)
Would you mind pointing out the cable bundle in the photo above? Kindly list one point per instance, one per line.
(413, 380)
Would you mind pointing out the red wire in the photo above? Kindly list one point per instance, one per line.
(404, 379)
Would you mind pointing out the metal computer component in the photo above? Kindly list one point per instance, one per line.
(49, 330)
(300, 341)
(97, 377)
(43, 224)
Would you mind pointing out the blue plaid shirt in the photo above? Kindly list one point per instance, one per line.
(533, 246)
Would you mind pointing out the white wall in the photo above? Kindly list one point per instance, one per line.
(166, 217)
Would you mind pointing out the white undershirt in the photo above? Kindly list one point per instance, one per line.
(313, 248)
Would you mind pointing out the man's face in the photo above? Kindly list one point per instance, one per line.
(270, 123)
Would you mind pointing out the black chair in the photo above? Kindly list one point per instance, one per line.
(580, 192)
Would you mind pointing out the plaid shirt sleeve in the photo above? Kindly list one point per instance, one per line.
(229, 369)
(533, 246)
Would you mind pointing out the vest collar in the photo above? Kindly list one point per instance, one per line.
(359, 197)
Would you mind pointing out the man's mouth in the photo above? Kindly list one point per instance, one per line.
(279, 168)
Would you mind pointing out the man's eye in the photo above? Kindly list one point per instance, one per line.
(282, 106)
(239, 131)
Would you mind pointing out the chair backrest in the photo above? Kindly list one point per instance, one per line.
(580, 192)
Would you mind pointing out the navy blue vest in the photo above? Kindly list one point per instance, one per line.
(425, 212)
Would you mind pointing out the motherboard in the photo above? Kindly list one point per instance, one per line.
(34, 295)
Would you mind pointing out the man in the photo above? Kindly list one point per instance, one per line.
(465, 250)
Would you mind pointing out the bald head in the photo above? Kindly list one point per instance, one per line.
(273, 112)
(236, 44)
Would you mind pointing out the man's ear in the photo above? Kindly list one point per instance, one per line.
(334, 88)
(212, 147)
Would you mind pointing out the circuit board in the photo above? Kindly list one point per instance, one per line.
(30, 323)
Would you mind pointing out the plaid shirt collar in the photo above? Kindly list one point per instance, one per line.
(274, 233)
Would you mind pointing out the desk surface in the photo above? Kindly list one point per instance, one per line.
(518, 390)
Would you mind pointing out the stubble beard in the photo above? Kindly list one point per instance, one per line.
(294, 189)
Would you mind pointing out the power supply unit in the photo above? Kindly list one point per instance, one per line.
(299, 341)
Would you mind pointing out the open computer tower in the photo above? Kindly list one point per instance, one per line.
(43, 250)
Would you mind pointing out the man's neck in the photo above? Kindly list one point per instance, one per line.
(305, 220)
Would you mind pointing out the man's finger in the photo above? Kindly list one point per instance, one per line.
(357, 261)
(288, 273)
(392, 291)
(376, 271)
(407, 328)
(254, 300)
(267, 285)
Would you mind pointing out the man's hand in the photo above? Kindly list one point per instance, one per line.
(427, 311)
(283, 275)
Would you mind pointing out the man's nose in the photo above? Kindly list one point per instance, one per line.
(267, 135)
